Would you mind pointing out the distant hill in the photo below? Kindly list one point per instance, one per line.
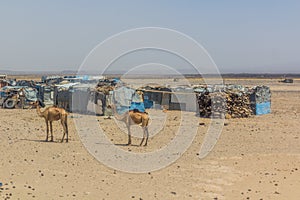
(246, 75)
(225, 75)
(6, 71)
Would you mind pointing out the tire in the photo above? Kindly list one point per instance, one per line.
(10, 103)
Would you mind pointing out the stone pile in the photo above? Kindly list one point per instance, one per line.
(211, 104)
(260, 94)
(230, 101)
(238, 106)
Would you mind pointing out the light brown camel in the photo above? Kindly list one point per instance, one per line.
(132, 117)
(51, 114)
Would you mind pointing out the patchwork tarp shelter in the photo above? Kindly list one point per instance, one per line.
(177, 98)
(183, 98)
(45, 93)
(156, 96)
(62, 96)
(10, 95)
(126, 98)
(80, 98)
(3, 83)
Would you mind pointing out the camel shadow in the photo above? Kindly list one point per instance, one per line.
(126, 145)
(41, 141)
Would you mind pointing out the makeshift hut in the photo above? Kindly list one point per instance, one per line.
(3, 83)
(232, 101)
(62, 96)
(10, 96)
(261, 100)
(183, 98)
(45, 93)
(175, 98)
(122, 98)
(156, 96)
(80, 98)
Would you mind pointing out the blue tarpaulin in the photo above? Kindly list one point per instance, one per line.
(148, 104)
(262, 108)
(137, 106)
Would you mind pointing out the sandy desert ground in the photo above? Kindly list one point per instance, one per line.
(255, 158)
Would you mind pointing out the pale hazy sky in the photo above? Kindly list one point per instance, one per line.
(241, 36)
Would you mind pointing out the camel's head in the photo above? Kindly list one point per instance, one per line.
(140, 94)
(39, 102)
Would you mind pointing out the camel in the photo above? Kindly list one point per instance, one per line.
(51, 114)
(133, 117)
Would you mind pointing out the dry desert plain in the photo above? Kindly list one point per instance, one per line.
(254, 158)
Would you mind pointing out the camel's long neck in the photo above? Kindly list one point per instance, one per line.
(39, 112)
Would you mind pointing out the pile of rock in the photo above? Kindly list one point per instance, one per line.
(211, 104)
(230, 101)
(261, 100)
(260, 94)
(238, 106)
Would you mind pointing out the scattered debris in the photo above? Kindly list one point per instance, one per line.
(17, 96)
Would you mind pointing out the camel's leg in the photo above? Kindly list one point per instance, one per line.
(67, 131)
(145, 121)
(47, 130)
(51, 131)
(65, 127)
(144, 135)
(142, 140)
(147, 135)
(129, 135)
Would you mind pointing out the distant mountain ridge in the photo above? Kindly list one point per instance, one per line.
(224, 75)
